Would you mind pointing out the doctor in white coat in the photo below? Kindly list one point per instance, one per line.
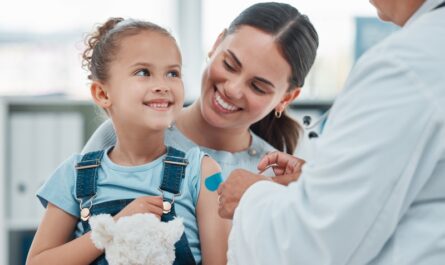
(375, 191)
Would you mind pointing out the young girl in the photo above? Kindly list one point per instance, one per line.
(135, 69)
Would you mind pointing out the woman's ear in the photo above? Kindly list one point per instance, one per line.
(288, 98)
(218, 41)
(100, 95)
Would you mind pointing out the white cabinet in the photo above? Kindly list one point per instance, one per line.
(36, 135)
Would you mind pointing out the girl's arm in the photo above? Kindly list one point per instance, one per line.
(52, 243)
(213, 230)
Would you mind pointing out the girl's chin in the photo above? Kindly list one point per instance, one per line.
(154, 126)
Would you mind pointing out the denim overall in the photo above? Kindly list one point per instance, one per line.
(86, 188)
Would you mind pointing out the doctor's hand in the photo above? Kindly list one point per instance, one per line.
(287, 168)
(231, 190)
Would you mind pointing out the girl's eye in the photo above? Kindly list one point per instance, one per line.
(143, 72)
(229, 67)
(174, 74)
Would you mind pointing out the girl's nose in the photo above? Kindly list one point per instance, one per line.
(161, 89)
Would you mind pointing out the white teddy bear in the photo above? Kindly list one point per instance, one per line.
(140, 239)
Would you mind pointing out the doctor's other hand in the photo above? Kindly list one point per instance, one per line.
(231, 190)
(287, 168)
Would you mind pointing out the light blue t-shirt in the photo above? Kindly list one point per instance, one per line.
(125, 182)
(248, 159)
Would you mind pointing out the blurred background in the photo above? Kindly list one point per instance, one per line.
(45, 110)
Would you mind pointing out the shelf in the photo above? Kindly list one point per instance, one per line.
(22, 224)
(36, 135)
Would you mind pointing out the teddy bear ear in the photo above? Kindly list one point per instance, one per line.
(174, 230)
(102, 230)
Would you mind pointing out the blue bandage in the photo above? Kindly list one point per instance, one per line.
(212, 183)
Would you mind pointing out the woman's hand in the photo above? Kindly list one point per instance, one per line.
(144, 204)
(287, 168)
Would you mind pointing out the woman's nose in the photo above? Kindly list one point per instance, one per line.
(233, 89)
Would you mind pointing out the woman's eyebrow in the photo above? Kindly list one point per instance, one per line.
(237, 61)
(264, 81)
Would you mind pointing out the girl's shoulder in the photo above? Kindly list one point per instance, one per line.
(194, 158)
(69, 164)
(59, 187)
(194, 153)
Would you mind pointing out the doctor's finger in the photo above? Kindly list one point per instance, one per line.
(286, 179)
(294, 166)
(226, 210)
(275, 157)
(278, 171)
(283, 161)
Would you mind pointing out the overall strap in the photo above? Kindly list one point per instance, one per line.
(183, 252)
(174, 172)
(86, 182)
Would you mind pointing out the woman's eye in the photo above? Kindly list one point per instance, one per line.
(258, 89)
(143, 72)
(174, 74)
(228, 66)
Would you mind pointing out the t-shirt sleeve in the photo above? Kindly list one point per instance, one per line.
(59, 188)
(193, 171)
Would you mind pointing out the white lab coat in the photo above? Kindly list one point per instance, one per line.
(374, 192)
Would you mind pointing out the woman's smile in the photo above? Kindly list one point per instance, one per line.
(222, 105)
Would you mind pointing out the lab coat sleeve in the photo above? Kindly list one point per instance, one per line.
(350, 198)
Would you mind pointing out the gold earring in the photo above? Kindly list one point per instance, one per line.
(278, 114)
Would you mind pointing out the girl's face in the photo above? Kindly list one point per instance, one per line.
(246, 78)
(145, 88)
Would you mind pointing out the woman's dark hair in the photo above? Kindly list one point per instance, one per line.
(298, 41)
(103, 44)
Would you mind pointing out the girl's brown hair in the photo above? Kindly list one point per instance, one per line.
(103, 44)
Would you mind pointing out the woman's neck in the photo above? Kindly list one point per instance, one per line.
(137, 147)
(191, 123)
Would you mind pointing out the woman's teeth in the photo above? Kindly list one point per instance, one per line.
(223, 104)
